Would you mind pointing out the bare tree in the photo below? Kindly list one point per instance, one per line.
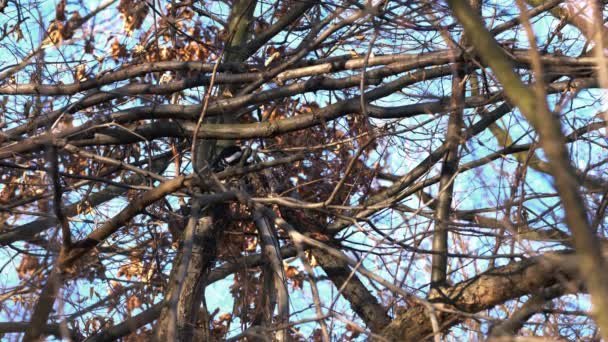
(303, 170)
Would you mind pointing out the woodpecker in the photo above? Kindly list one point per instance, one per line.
(229, 156)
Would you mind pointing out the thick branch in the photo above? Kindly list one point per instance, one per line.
(490, 288)
(552, 141)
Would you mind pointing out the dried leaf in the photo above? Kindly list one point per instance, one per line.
(60, 10)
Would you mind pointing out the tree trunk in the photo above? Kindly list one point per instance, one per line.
(207, 231)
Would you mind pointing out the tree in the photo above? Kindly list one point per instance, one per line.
(409, 171)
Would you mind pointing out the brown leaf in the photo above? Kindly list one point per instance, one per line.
(133, 13)
(133, 303)
(225, 317)
(81, 73)
(27, 266)
(54, 31)
(319, 236)
(118, 50)
(60, 11)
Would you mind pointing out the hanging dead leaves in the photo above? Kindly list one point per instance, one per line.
(133, 303)
(295, 276)
(133, 13)
(62, 28)
(246, 291)
(29, 265)
(118, 50)
(193, 43)
(55, 32)
(219, 325)
(240, 234)
(137, 267)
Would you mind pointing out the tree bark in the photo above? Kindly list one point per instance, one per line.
(191, 291)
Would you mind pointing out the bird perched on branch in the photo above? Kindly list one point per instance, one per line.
(229, 156)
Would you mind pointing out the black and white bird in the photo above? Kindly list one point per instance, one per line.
(229, 156)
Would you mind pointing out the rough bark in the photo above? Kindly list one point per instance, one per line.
(187, 287)
(491, 288)
(354, 291)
